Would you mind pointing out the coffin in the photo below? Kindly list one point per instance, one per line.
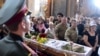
(53, 47)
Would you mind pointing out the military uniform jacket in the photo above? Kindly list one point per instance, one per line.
(11, 46)
(71, 34)
(60, 30)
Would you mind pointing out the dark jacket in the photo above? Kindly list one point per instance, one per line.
(80, 29)
(11, 46)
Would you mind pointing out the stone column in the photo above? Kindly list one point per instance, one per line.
(68, 9)
(48, 10)
(30, 5)
(72, 8)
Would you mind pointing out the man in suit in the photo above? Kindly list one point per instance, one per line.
(13, 15)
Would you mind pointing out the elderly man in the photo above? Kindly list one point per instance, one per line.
(12, 14)
(61, 28)
(71, 33)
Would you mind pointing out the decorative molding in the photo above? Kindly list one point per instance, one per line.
(48, 9)
(1, 3)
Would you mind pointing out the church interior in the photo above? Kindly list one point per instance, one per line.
(62, 27)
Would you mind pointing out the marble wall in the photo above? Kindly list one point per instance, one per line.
(67, 7)
(59, 6)
(72, 8)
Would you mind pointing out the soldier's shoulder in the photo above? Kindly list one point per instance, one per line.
(58, 25)
(69, 28)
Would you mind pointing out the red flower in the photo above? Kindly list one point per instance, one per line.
(42, 35)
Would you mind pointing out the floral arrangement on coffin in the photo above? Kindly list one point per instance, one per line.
(28, 35)
(75, 48)
(41, 38)
(31, 35)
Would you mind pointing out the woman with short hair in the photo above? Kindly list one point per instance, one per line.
(91, 39)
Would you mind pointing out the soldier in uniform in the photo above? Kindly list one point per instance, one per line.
(12, 14)
(61, 28)
(71, 33)
(58, 20)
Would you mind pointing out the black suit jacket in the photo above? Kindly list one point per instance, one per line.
(11, 46)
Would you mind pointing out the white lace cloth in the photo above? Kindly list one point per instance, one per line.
(99, 51)
(56, 44)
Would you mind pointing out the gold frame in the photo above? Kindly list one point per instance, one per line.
(1, 3)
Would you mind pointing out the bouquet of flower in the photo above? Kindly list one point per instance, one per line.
(41, 38)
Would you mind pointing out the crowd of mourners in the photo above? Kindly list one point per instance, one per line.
(84, 31)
